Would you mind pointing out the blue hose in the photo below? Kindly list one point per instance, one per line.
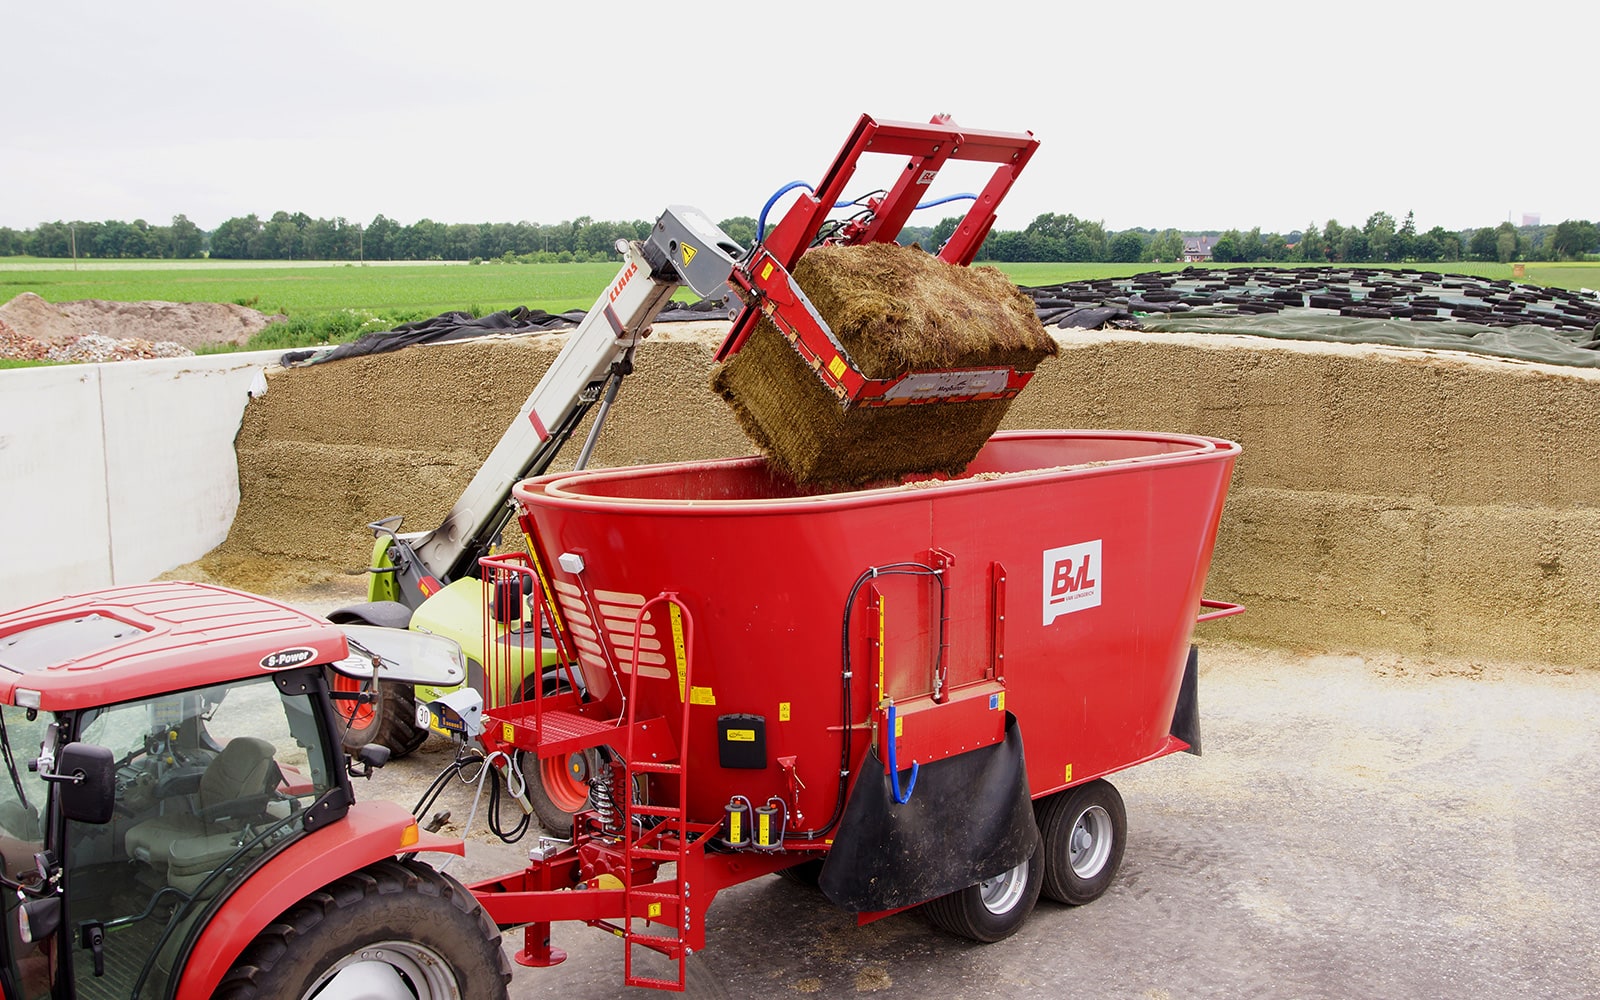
(761, 220)
(894, 768)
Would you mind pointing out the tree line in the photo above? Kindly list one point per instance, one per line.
(1049, 237)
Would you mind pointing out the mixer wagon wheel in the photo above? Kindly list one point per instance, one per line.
(1084, 831)
(558, 786)
(806, 873)
(994, 908)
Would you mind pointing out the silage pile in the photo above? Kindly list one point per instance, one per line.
(893, 309)
(1428, 503)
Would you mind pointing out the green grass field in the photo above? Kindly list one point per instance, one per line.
(329, 303)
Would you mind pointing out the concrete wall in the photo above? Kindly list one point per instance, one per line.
(115, 473)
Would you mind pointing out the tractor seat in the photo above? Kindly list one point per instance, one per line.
(186, 846)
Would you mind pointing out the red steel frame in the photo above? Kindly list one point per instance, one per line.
(621, 870)
(765, 278)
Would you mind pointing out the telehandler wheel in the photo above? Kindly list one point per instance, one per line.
(395, 928)
(389, 719)
(1085, 829)
(994, 908)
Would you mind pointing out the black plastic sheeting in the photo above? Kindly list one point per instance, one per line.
(1406, 308)
(464, 326)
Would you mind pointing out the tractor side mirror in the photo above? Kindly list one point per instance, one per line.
(86, 776)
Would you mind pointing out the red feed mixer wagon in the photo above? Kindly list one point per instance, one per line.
(908, 695)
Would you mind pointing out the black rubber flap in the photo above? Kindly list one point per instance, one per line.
(969, 817)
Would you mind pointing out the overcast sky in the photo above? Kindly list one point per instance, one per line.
(1191, 115)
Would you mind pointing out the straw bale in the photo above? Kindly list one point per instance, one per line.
(893, 309)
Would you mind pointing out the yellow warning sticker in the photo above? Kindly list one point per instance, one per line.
(653, 911)
(783, 711)
(675, 613)
(837, 367)
(688, 252)
(507, 733)
(766, 272)
(1069, 772)
(733, 827)
(702, 696)
(741, 736)
(899, 726)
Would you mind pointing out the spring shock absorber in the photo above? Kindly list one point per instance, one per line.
(600, 793)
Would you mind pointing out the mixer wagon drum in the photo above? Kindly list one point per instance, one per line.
(867, 667)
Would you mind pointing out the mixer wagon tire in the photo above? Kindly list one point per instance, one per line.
(993, 909)
(558, 787)
(806, 873)
(397, 928)
(389, 718)
(1084, 830)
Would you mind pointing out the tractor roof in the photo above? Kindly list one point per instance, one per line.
(130, 642)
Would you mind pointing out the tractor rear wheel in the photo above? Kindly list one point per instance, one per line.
(994, 908)
(1084, 829)
(395, 928)
(389, 718)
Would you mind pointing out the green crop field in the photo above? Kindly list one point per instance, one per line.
(421, 289)
(331, 302)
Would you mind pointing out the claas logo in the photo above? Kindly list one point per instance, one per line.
(1071, 579)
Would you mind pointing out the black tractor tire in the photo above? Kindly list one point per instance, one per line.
(421, 924)
(1085, 830)
(993, 909)
(390, 718)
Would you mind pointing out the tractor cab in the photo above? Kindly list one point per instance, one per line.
(126, 824)
(160, 746)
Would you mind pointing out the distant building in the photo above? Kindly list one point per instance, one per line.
(1198, 248)
(1530, 219)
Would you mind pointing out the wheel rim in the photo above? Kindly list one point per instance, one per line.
(358, 714)
(566, 780)
(399, 969)
(1089, 846)
(1001, 893)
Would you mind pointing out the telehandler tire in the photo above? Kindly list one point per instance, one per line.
(389, 719)
(394, 925)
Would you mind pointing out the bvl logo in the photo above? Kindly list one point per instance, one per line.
(1071, 579)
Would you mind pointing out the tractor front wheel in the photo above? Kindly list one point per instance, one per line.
(394, 929)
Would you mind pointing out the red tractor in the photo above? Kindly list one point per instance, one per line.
(176, 813)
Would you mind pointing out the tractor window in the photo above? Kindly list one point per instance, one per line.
(22, 808)
(209, 781)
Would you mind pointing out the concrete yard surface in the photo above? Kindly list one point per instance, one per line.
(1374, 827)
